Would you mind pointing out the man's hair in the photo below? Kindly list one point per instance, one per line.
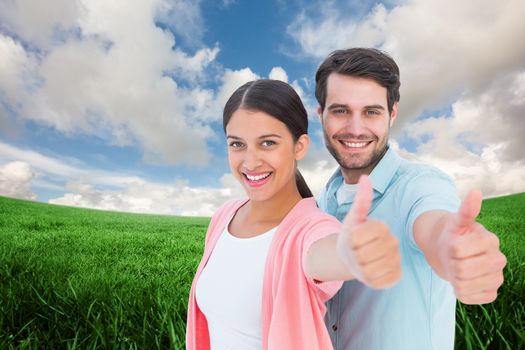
(360, 63)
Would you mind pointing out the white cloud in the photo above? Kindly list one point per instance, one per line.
(481, 144)
(101, 78)
(38, 22)
(278, 73)
(155, 198)
(37, 160)
(184, 18)
(442, 47)
(211, 108)
(53, 171)
(107, 190)
(330, 28)
(15, 180)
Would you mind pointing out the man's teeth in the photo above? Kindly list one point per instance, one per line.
(355, 144)
(257, 177)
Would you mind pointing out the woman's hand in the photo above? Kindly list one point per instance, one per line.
(367, 248)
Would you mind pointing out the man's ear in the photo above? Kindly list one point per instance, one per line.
(301, 146)
(393, 114)
(320, 113)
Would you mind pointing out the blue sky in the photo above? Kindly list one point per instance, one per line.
(117, 105)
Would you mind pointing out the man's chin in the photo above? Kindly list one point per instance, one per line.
(355, 166)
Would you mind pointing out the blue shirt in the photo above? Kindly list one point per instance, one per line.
(419, 311)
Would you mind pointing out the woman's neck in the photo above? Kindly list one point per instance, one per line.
(256, 217)
(274, 208)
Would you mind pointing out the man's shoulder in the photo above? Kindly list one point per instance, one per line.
(414, 180)
(410, 170)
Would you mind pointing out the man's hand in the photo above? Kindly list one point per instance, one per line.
(470, 254)
(368, 249)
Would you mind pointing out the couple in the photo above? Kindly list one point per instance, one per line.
(393, 231)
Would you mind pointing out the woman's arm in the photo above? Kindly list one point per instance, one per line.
(364, 249)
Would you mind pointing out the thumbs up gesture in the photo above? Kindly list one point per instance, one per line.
(470, 254)
(368, 249)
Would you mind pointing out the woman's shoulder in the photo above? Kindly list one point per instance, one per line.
(307, 211)
(232, 204)
(228, 208)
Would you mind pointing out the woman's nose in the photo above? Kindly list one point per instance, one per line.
(252, 160)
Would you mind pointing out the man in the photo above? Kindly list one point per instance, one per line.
(444, 253)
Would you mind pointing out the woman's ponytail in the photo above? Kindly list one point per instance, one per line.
(303, 188)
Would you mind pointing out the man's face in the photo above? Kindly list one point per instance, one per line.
(356, 122)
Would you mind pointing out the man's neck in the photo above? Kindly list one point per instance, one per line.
(351, 176)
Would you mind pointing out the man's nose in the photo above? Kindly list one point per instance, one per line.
(355, 125)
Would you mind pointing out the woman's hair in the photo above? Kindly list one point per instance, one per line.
(279, 100)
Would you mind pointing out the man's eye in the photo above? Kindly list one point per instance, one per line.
(339, 111)
(267, 143)
(236, 144)
(372, 112)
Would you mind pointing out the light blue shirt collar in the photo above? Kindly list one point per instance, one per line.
(385, 170)
(381, 175)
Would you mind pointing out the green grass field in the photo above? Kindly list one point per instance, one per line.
(78, 278)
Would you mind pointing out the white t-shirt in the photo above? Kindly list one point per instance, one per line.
(345, 191)
(229, 291)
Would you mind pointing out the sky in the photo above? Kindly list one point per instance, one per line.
(117, 105)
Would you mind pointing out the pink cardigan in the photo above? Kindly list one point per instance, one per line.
(293, 305)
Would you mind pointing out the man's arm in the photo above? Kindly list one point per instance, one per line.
(462, 251)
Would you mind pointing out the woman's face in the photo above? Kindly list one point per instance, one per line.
(262, 153)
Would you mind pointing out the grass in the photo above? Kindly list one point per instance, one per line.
(501, 324)
(78, 278)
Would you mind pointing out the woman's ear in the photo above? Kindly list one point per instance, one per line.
(301, 146)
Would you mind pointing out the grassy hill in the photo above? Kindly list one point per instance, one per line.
(72, 277)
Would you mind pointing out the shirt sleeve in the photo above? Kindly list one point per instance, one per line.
(430, 190)
(323, 226)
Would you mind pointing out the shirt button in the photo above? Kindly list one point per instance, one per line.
(334, 327)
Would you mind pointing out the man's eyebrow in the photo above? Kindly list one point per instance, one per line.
(375, 106)
(337, 105)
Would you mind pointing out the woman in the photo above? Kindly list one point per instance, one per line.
(270, 260)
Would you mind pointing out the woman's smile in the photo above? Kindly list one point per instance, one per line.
(257, 179)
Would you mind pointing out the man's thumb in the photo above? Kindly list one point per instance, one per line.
(468, 211)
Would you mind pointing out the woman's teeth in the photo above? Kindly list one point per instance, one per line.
(257, 177)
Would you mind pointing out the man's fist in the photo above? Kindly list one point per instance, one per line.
(470, 255)
(367, 247)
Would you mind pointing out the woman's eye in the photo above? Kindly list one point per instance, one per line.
(268, 143)
(236, 144)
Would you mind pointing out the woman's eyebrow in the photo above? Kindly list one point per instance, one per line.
(270, 135)
(260, 137)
